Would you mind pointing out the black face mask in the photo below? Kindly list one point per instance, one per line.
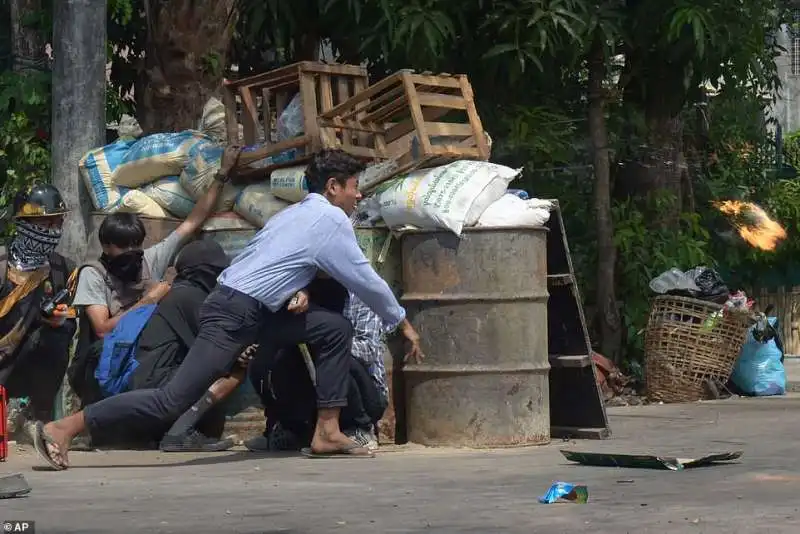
(126, 267)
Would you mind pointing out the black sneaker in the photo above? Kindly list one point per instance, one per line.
(194, 441)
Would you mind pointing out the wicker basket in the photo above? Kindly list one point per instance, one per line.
(681, 354)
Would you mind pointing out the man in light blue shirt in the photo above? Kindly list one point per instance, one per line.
(310, 237)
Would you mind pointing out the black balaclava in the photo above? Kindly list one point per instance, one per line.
(127, 267)
(200, 263)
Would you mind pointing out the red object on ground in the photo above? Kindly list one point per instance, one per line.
(3, 427)
(605, 366)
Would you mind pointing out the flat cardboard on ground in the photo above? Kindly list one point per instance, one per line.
(647, 461)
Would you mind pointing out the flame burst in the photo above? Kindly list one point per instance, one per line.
(752, 223)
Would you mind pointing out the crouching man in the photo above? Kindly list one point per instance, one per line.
(282, 380)
(35, 325)
(281, 259)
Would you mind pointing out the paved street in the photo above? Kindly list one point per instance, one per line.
(412, 489)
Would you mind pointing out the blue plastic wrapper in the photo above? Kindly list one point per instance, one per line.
(564, 491)
(518, 193)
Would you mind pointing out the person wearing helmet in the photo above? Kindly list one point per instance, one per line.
(36, 325)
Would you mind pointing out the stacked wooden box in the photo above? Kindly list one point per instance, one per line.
(402, 118)
(257, 101)
(414, 120)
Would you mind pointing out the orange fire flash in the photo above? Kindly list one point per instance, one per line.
(752, 223)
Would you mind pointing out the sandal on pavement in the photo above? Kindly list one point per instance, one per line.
(41, 440)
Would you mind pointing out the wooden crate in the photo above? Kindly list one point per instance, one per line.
(258, 100)
(400, 118)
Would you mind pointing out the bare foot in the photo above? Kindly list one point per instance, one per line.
(326, 443)
(61, 438)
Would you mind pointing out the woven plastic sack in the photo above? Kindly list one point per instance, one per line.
(257, 204)
(510, 210)
(290, 122)
(156, 156)
(97, 170)
(226, 220)
(198, 175)
(170, 195)
(451, 197)
(213, 121)
(289, 184)
(135, 201)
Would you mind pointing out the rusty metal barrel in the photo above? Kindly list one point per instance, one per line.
(479, 303)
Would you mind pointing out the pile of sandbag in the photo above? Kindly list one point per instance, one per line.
(163, 175)
(452, 197)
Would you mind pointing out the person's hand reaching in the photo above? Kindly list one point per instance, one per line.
(299, 303)
(246, 356)
(414, 353)
(229, 159)
(60, 314)
(156, 293)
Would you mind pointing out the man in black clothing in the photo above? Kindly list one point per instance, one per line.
(167, 338)
(35, 331)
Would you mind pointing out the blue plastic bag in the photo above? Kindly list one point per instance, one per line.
(759, 370)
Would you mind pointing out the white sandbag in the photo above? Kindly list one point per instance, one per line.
(134, 201)
(97, 170)
(451, 196)
(289, 183)
(129, 127)
(368, 212)
(290, 122)
(377, 173)
(198, 175)
(257, 204)
(157, 156)
(510, 210)
(213, 121)
(170, 195)
(226, 220)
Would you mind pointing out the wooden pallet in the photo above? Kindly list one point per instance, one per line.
(263, 97)
(577, 409)
(399, 118)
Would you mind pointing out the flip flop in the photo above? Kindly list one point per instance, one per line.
(41, 440)
(13, 486)
(351, 451)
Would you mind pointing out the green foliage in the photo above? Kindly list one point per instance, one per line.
(645, 251)
(791, 149)
(24, 156)
(24, 123)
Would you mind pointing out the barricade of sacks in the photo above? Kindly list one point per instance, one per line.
(162, 175)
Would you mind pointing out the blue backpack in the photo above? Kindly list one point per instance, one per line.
(118, 359)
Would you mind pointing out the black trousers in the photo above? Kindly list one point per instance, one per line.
(288, 396)
(80, 373)
(230, 321)
(38, 369)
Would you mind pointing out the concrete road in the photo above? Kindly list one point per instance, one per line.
(416, 490)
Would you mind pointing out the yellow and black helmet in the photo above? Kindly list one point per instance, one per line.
(39, 200)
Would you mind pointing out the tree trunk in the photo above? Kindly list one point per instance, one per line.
(187, 53)
(27, 43)
(655, 161)
(79, 108)
(607, 314)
